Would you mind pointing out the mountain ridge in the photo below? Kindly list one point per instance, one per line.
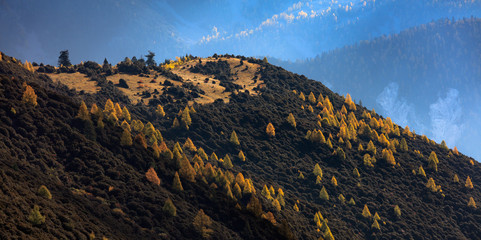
(270, 160)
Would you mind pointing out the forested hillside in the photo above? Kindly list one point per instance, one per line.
(291, 160)
(427, 77)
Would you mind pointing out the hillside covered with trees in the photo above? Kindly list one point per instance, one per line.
(426, 76)
(284, 158)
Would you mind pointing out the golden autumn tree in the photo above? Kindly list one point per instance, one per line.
(471, 202)
(323, 194)
(241, 156)
(186, 170)
(334, 181)
(109, 108)
(213, 157)
(455, 150)
(431, 185)
(35, 217)
(152, 177)
(356, 172)
(233, 138)
(29, 96)
(468, 183)
(202, 224)
(176, 184)
(456, 178)
(94, 110)
(159, 110)
(350, 103)
(227, 163)
(185, 118)
(202, 154)
(266, 193)
(126, 114)
(375, 225)
(312, 98)
(365, 212)
(433, 157)
(302, 97)
(295, 207)
(270, 130)
(118, 110)
(126, 126)
(397, 211)
(83, 112)
(388, 156)
(176, 123)
(421, 171)
(371, 148)
(189, 145)
(170, 208)
(317, 170)
(44, 192)
(291, 120)
(126, 139)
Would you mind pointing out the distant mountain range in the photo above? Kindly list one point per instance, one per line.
(426, 77)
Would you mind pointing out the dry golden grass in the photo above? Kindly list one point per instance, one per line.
(212, 88)
(137, 84)
(77, 80)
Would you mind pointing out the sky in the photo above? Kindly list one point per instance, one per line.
(287, 30)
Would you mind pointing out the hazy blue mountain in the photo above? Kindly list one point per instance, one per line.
(427, 77)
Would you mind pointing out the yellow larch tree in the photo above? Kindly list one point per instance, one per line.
(323, 194)
(189, 145)
(241, 156)
(108, 108)
(317, 170)
(126, 138)
(456, 178)
(185, 118)
(270, 130)
(176, 184)
(83, 113)
(471, 202)
(365, 212)
(302, 97)
(312, 98)
(233, 138)
(152, 177)
(29, 96)
(126, 114)
(468, 183)
(291, 120)
(334, 181)
(159, 110)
